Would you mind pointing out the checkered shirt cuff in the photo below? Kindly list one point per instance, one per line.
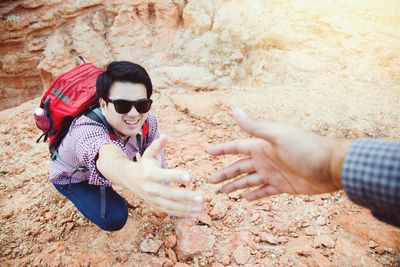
(371, 176)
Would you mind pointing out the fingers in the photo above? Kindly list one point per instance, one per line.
(174, 193)
(247, 181)
(234, 147)
(154, 150)
(261, 192)
(233, 170)
(266, 131)
(171, 176)
(176, 208)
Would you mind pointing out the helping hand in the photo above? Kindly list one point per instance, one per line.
(281, 159)
(154, 184)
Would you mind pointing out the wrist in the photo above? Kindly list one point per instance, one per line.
(128, 167)
(338, 154)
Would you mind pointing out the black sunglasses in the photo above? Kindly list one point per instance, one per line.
(124, 106)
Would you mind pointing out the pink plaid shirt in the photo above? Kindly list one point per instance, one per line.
(81, 145)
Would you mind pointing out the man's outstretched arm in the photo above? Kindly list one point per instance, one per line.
(149, 181)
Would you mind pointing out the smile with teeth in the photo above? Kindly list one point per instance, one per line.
(132, 122)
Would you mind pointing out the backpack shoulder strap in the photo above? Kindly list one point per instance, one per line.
(142, 139)
(96, 115)
(145, 129)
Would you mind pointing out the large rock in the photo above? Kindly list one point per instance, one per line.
(219, 209)
(203, 106)
(198, 15)
(127, 27)
(347, 253)
(200, 49)
(150, 245)
(194, 241)
(241, 254)
(56, 60)
(365, 227)
(188, 77)
(167, 14)
(71, 8)
(245, 20)
(90, 44)
(23, 29)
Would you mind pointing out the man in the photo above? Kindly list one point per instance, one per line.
(286, 159)
(123, 92)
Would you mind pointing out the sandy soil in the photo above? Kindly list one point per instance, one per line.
(340, 81)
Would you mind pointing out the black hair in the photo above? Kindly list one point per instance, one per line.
(122, 71)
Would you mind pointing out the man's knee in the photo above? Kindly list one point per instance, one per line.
(114, 221)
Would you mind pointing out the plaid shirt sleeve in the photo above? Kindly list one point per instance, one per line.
(90, 136)
(371, 177)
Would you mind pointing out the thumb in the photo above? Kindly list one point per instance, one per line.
(260, 129)
(154, 150)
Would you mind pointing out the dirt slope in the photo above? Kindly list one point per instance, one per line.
(332, 68)
(40, 228)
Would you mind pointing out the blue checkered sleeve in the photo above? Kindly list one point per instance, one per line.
(371, 177)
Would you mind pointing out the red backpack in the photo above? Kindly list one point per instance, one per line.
(71, 94)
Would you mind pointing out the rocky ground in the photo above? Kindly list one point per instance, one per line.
(332, 69)
(40, 228)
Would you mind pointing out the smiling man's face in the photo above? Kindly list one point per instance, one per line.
(128, 124)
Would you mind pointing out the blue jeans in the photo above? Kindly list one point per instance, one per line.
(106, 209)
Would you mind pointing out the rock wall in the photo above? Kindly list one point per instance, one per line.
(202, 39)
(40, 39)
(196, 45)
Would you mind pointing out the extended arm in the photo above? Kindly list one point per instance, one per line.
(148, 180)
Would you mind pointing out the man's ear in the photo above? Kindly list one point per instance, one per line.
(102, 103)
